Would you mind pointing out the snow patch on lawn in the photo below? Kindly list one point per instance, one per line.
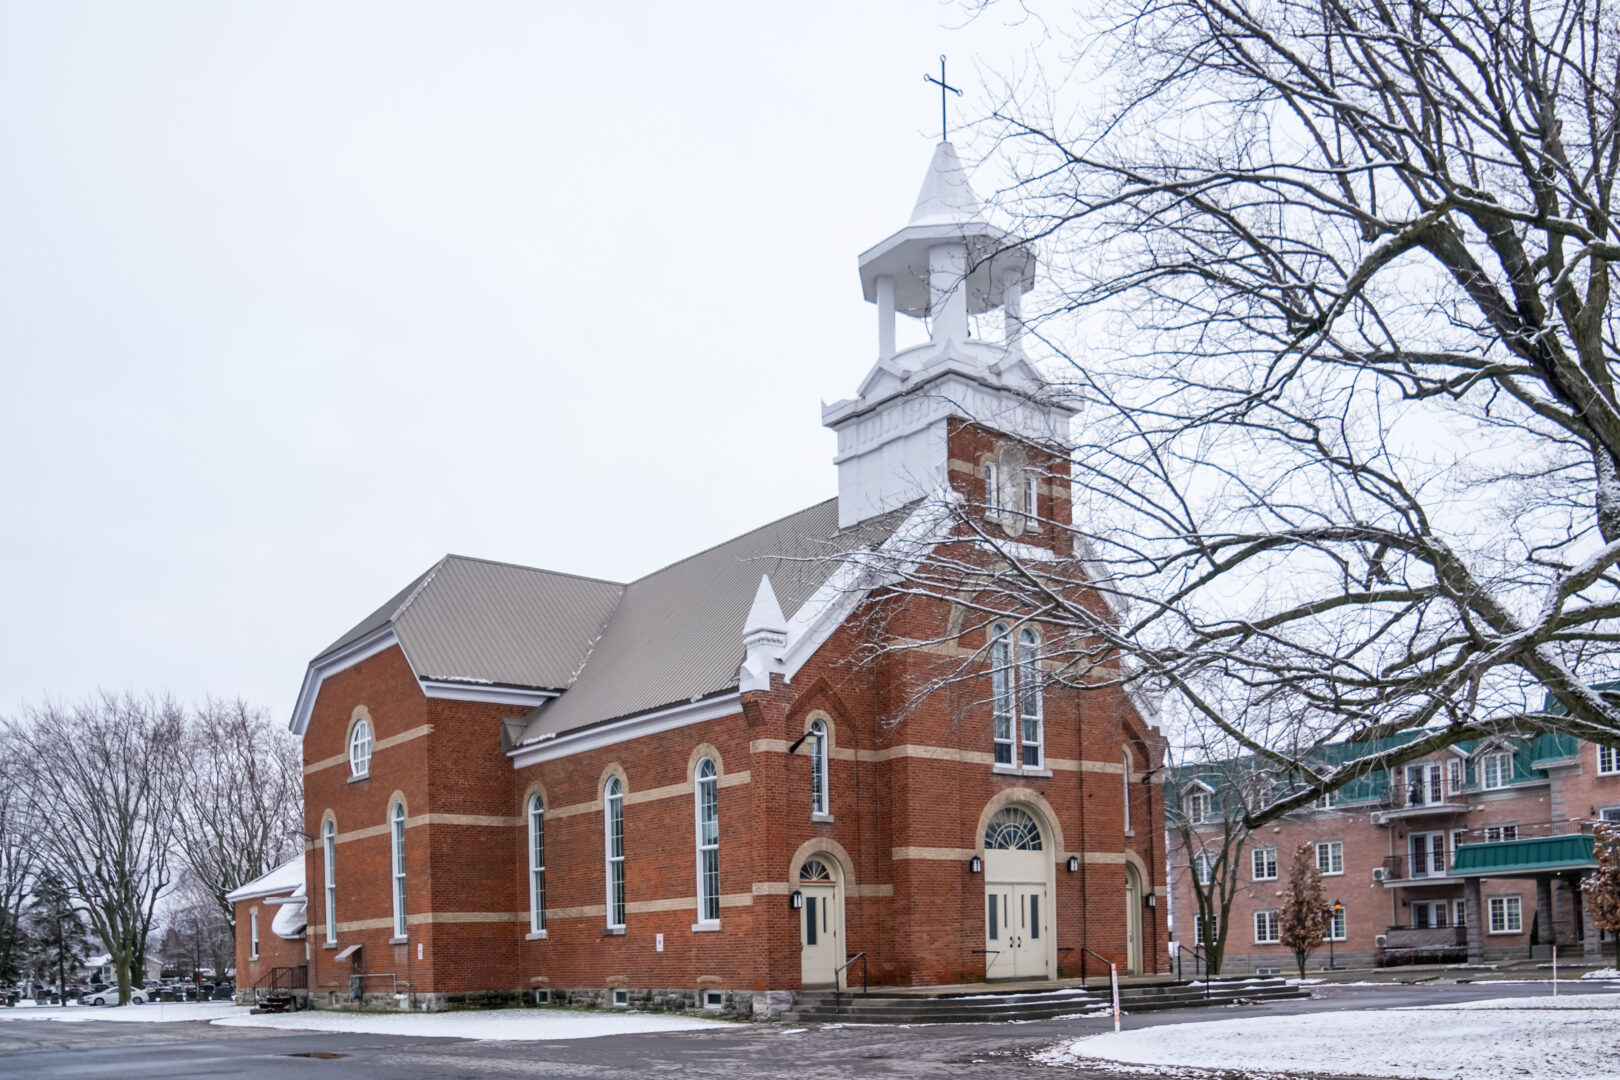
(1571, 1037)
(154, 1013)
(1602, 973)
(507, 1025)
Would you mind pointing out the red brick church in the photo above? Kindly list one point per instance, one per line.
(719, 783)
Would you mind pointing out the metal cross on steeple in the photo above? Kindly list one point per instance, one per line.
(944, 125)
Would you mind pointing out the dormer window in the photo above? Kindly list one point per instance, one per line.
(360, 748)
(1198, 807)
(1496, 770)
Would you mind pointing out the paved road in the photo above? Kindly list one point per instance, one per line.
(40, 1050)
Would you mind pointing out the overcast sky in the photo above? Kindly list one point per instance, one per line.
(297, 297)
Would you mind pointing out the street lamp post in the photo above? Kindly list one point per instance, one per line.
(1333, 924)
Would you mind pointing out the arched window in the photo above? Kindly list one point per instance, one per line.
(1012, 829)
(819, 801)
(253, 934)
(1015, 698)
(537, 865)
(708, 842)
(992, 490)
(1029, 696)
(328, 855)
(1001, 680)
(1126, 761)
(814, 870)
(396, 833)
(613, 822)
(360, 748)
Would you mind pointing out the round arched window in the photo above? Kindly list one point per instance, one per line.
(1012, 829)
(360, 748)
(814, 870)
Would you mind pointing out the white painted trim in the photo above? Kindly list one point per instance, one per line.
(617, 731)
(379, 641)
(450, 690)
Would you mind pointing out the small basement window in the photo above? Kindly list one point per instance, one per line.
(621, 997)
(542, 997)
(712, 999)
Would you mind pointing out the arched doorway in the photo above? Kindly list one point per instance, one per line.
(821, 925)
(1133, 920)
(1018, 892)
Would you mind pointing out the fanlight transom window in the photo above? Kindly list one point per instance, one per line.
(814, 870)
(1011, 829)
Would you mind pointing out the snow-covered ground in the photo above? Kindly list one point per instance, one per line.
(503, 1024)
(1571, 1037)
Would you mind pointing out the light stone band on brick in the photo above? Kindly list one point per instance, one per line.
(380, 744)
(938, 753)
(631, 798)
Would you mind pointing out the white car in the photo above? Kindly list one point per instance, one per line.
(109, 996)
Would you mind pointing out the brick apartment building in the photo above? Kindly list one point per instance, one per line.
(707, 786)
(1462, 856)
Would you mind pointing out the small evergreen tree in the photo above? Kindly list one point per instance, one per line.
(57, 930)
(1602, 888)
(1305, 916)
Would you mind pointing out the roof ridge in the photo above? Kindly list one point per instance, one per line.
(524, 566)
(734, 539)
(405, 604)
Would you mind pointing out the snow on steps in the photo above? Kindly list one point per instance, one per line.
(982, 1004)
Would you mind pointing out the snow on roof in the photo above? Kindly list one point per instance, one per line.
(285, 878)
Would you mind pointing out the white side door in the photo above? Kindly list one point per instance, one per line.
(820, 951)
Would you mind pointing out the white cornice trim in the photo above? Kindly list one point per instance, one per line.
(617, 731)
(455, 690)
(378, 641)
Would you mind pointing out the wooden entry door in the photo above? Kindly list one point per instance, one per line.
(1017, 924)
(821, 925)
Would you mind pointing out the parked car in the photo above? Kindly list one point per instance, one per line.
(109, 996)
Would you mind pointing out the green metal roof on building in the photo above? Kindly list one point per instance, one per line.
(1509, 858)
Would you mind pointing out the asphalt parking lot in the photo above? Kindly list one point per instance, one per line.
(42, 1050)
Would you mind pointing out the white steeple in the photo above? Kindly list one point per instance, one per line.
(946, 264)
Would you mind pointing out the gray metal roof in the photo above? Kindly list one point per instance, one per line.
(470, 620)
(677, 633)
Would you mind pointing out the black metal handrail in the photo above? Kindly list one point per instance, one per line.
(838, 979)
(1085, 952)
(295, 977)
(1199, 959)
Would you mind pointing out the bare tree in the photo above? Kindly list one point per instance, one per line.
(1334, 281)
(102, 780)
(18, 861)
(241, 798)
(1306, 919)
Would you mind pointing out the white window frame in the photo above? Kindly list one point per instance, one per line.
(1031, 707)
(1338, 925)
(1511, 912)
(1017, 702)
(1459, 913)
(1203, 868)
(1125, 802)
(1609, 813)
(253, 934)
(820, 771)
(992, 490)
(1263, 863)
(706, 799)
(360, 749)
(1199, 807)
(613, 851)
(1267, 928)
(1330, 857)
(1031, 497)
(1198, 929)
(329, 870)
(396, 859)
(537, 864)
(1501, 834)
(1455, 776)
(1502, 760)
(1608, 760)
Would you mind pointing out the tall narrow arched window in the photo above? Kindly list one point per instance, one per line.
(396, 835)
(1125, 756)
(992, 490)
(1029, 697)
(819, 777)
(360, 748)
(708, 842)
(537, 865)
(613, 823)
(328, 855)
(1001, 680)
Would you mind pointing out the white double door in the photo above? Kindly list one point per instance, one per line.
(1017, 928)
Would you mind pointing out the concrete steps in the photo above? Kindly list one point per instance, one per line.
(985, 1005)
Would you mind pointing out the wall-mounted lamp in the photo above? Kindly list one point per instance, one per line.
(1074, 863)
(1152, 900)
(795, 899)
(975, 865)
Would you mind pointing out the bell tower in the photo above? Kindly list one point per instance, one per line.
(946, 264)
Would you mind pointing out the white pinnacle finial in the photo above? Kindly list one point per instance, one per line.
(946, 195)
(764, 635)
